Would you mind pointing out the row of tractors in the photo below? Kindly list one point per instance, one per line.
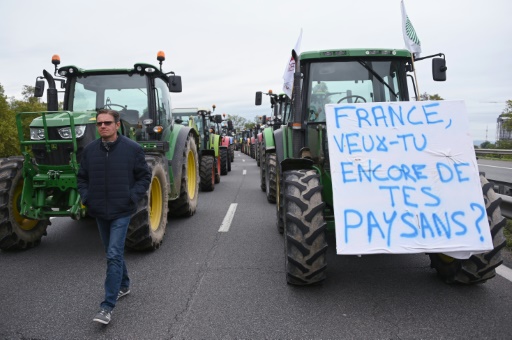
(184, 155)
(291, 149)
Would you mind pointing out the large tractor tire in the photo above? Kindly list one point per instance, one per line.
(279, 203)
(217, 170)
(207, 173)
(481, 267)
(257, 154)
(186, 203)
(223, 161)
(232, 152)
(271, 177)
(147, 226)
(263, 173)
(305, 241)
(16, 231)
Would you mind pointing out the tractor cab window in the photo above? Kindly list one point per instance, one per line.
(354, 81)
(121, 92)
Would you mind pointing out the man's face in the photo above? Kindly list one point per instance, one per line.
(107, 127)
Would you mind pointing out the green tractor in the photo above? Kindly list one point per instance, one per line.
(208, 146)
(305, 207)
(42, 183)
(280, 106)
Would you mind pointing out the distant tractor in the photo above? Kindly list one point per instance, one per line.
(42, 182)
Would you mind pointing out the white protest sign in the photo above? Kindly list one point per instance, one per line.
(405, 179)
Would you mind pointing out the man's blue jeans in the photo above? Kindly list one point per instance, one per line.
(113, 235)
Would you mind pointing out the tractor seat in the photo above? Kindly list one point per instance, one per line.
(130, 116)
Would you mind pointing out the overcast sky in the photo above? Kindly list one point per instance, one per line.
(226, 50)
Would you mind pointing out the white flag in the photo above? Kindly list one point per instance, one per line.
(290, 69)
(410, 37)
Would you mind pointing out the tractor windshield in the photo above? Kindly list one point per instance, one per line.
(354, 81)
(121, 92)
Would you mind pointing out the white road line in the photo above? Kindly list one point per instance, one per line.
(243, 160)
(505, 271)
(244, 172)
(494, 166)
(226, 223)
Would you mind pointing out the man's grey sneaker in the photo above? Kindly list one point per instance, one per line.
(122, 292)
(103, 316)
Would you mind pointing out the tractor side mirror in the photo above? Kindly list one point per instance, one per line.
(39, 89)
(175, 83)
(230, 124)
(258, 98)
(218, 119)
(264, 119)
(439, 69)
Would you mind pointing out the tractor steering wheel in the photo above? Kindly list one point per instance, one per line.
(109, 106)
(353, 96)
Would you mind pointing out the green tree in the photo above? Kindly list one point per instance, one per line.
(9, 145)
(238, 122)
(507, 112)
(426, 96)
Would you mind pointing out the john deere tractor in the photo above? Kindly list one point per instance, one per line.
(305, 205)
(42, 183)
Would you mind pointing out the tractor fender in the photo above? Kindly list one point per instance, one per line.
(296, 164)
(177, 143)
(279, 147)
(268, 137)
(260, 137)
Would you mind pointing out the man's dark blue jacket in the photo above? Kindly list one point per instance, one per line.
(112, 182)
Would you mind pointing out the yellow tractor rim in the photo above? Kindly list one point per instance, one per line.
(24, 223)
(446, 258)
(191, 175)
(155, 204)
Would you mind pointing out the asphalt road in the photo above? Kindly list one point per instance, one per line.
(206, 284)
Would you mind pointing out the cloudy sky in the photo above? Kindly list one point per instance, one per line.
(226, 50)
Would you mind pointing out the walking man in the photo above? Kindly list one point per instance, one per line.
(112, 179)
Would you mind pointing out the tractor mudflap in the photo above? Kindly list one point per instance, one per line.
(186, 203)
(304, 227)
(207, 173)
(480, 267)
(16, 231)
(147, 226)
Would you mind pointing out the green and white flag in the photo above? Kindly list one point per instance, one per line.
(410, 37)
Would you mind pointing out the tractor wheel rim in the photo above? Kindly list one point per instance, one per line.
(155, 204)
(191, 175)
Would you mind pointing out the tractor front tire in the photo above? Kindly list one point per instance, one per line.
(207, 173)
(271, 177)
(147, 226)
(480, 267)
(223, 161)
(186, 203)
(305, 241)
(263, 173)
(16, 231)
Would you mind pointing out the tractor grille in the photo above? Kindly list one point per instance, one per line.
(60, 153)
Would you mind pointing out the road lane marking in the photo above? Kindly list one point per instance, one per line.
(243, 160)
(244, 172)
(494, 166)
(505, 271)
(226, 223)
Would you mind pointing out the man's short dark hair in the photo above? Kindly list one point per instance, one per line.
(113, 113)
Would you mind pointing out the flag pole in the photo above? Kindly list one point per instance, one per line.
(418, 95)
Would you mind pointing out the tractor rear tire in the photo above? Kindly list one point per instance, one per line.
(147, 226)
(223, 161)
(263, 173)
(271, 163)
(305, 241)
(16, 232)
(186, 203)
(279, 203)
(480, 267)
(207, 173)
(217, 170)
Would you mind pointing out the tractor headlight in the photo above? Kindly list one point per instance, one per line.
(36, 133)
(65, 132)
